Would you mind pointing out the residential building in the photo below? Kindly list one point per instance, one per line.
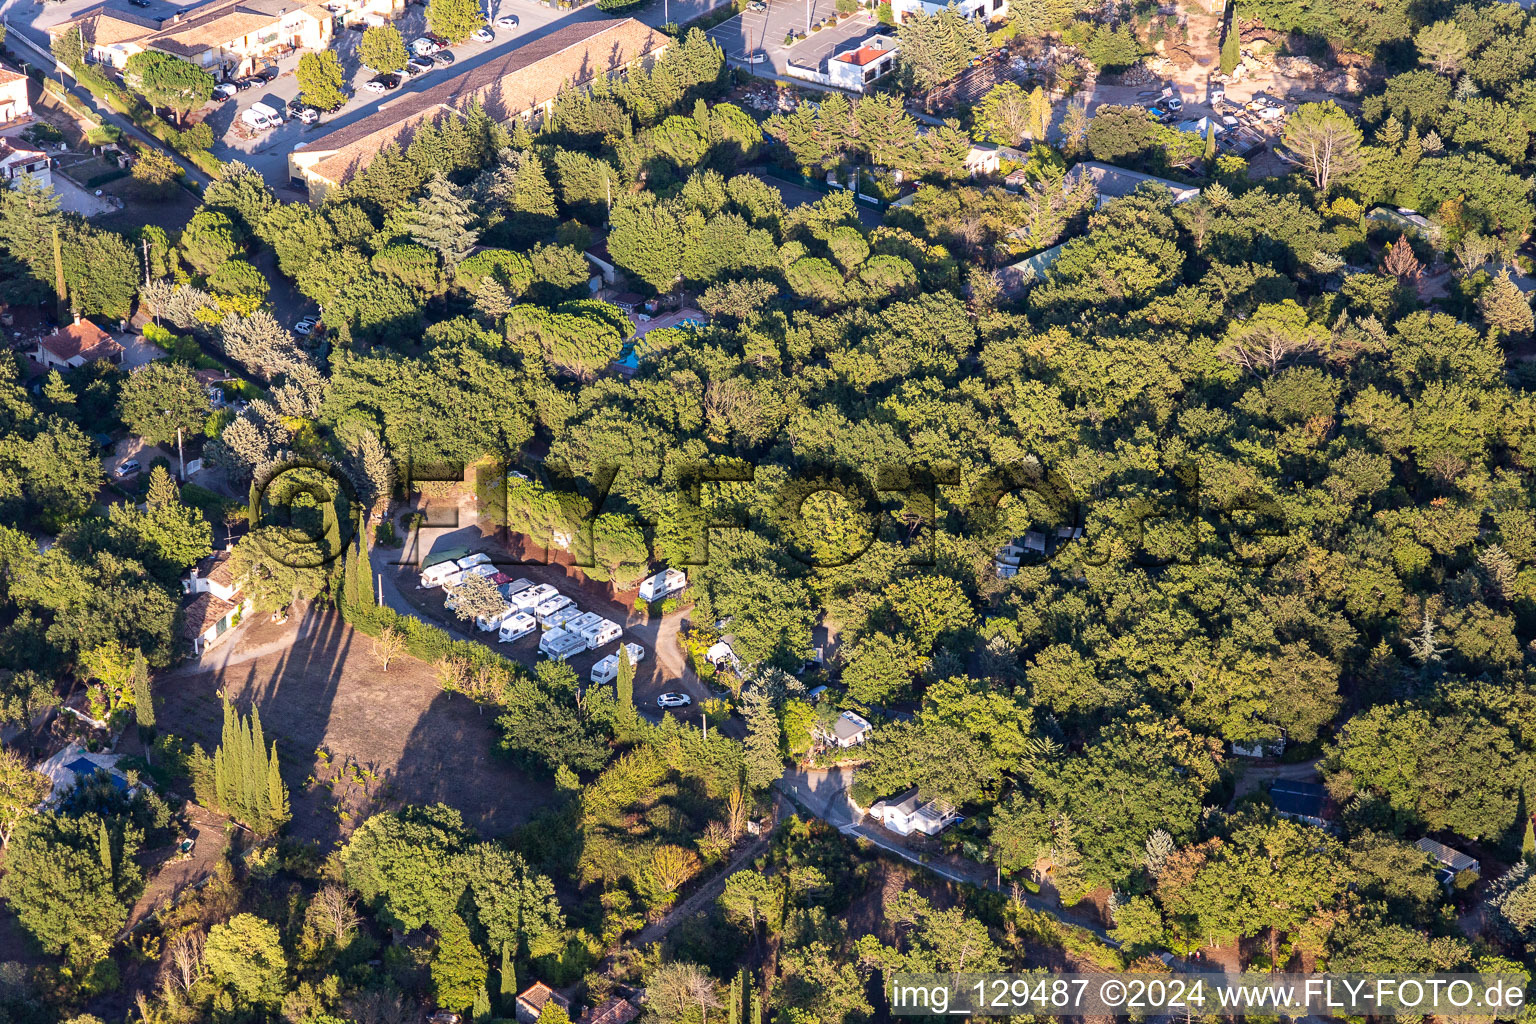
(849, 730)
(1014, 278)
(14, 104)
(1260, 748)
(984, 10)
(908, 813)
(1404, 219)
(521, 84)
(1452, 861)
(860, 67)
(984, 158)
(1301, 801)
(215, 602)
(530, 1002)
(16, 161)
(227, 38)
(75, 345)
(613, 1010)
(1113, 182)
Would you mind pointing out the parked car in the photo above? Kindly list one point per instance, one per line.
(757, 5)
(418, 66)
(757, 56)
(242, 84)
(1175, 104)
(127, 467)
(139, 3)
(224, 91)
(443, 57)
(255, 120)
(267, 75)
(382, 83)
(271, 112)
(423, 47)
(305, 327)
(484, 35)
(673, 700)
(309, 115)
(507, 21)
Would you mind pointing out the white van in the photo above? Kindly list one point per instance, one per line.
(255, 120)
(515, 627)
(605, 632)
(270, 113)
(549, 606)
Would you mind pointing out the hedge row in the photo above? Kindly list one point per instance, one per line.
(423, 640)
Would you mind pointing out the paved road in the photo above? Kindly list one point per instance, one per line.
(766, 30)
(26, 43)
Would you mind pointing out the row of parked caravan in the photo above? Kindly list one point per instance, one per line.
(567, 630)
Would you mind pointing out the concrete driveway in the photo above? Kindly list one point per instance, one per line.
(767, 30)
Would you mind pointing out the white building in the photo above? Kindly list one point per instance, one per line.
(223, 37)
(984, 10)
(75, 345)
(907, 814)
(16, 161)
(860, 67)
(216, 603)
(849, 730)
(14, 104)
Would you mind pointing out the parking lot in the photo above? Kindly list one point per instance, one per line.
(767, 29)
(268, 151)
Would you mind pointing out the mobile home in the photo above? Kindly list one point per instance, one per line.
(662, 584)
(549, 606)
(506, 590)
(605, 632)
(606, 670)
(515, 627)
(561, 618)
(434, 575)
(485, 625)
(470, 561)
(527, 600)
(560, 645)
(581, 622)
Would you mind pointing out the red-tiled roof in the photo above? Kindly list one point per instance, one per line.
(613, 1011)
(81, 338)
(863, 55)
(201, 613)
(537, 994)
(216, 569)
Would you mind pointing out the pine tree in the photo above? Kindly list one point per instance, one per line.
(1506, 309)
(440, 221)
(1231, 49)
(764, 762)
(1390, 134)
(1401, 263)
(58, 393)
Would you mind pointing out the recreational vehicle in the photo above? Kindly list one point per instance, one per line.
(607, 669)
(662, 584)
(470, 561)
(485, 625)
(560, 645)
(434, 575)
(515, 627)
(549, 606)
(561, 618)
(604, 632)
(528, 600)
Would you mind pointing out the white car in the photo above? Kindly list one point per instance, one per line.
(305, 327)
(673, 700)
(309, 115)
(484, 35)
(224, 91)
(507, 21)
(421, 46)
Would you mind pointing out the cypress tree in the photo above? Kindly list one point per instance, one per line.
(143, 702)
(252, 771)
(277, 793)
(624, 687)
(733, 1007)
(508, 978)
(226, 762)
(253, 510)
(756, 1016)
(104, 847)
(1231, 49)
(482, 1008)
